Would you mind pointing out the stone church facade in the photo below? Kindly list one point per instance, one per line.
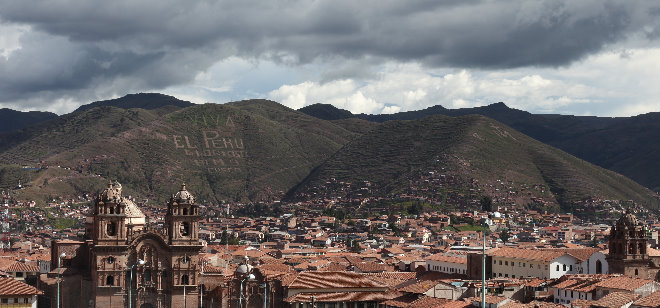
(629, 252)
(125, 260)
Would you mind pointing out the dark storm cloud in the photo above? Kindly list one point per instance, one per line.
(83, 46)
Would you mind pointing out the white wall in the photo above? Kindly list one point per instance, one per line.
(567, 265)
(590, 264)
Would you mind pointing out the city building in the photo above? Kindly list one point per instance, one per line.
(123, 259)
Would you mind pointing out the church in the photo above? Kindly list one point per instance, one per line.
(124, 262)
(629, 253)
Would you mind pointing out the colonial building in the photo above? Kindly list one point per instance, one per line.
(628, 251)
(127, 260)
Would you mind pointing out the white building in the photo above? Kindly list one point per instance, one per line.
(544, 264)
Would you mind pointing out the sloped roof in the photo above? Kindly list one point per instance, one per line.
(10, 286)
(328, 280)
(651, 300)
(623, 283)
(527, 254)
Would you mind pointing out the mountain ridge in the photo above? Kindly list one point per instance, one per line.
(627, 145)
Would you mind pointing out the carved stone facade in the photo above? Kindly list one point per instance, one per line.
(628, 251)
(123, 255)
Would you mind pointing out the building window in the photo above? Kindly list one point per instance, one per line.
(111, 260)
(184, 279)
(506, 263)
(111, 229)
(570, 268)
(19, 274)
(636, 272)
(147, 274)
(4, 301)
(185, 229)
(110, 281)
(564, 267)
(500, 262)
(557, 267)
(494, 261)
(531, 265)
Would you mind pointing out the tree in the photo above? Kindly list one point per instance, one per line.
(486, 204)
(505, 235)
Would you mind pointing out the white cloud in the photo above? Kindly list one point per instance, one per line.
(605, 84)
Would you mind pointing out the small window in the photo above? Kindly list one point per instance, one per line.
(570, 268)
(110, 281)
(564, 267)
(19, 274)
(147, 275)
(4, 301)
(531, 265)
(184, 279)
(506, 262)
(185, 229)
(557, 267)
(111, 229)
(185, 211)
(185, 259)
(111, 260)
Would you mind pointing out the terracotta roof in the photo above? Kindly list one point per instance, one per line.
(623, 283)
(527, 254)
(401, 301)
(581, 254)
(429, 302)
(327, 280)
(445, 258)
(532, 304)
(10, 286)
(616, 300)
(651, 300)
(342, 297)
(21, 267)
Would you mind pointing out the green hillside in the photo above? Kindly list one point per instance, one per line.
(243, 151)
(477, 149)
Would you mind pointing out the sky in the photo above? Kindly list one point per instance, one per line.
(586, 57)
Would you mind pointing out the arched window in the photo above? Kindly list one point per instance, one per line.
(110, 281)
(111, 229)
(111, 210)
(147, 274)
(185, 211)
(636, 272)
(599, 267)
(185, 228)
(184, 279)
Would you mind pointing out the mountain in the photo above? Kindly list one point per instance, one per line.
(627, 145)
(249, 150)
(13, 120)
(326, 112)
(480, 155)
(147, 101)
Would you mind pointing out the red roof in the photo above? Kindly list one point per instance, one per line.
(10, 286)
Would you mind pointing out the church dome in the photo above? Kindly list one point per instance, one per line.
(134, 215)
(628, 219)
(183, 196)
